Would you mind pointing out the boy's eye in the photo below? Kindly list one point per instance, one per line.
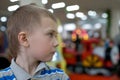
(52, 35)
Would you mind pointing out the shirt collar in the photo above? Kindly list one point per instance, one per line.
(41, 66)
(21, 74)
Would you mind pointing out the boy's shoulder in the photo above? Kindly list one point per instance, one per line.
(55, 70)
(55, 73)
(6, 74)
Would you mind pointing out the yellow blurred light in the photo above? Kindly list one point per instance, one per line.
(78, 31)
(85, 37)
(74, 37)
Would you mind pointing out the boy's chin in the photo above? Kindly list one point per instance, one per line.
(48, 60)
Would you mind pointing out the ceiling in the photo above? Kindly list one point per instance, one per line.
(85, 5)
(4, 5)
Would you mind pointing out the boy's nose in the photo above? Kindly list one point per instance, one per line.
(56, 43)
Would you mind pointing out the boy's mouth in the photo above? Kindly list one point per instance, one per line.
(53, 52)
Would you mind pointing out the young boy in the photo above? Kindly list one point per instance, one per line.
(32, 35)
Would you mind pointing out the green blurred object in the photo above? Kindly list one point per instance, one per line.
(108, 11)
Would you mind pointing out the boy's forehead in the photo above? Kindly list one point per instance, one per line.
(51, 29)
(48, 22)
(49, 19)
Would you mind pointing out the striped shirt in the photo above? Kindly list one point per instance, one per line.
(43, 72)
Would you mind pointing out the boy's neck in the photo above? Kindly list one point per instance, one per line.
(27, 64)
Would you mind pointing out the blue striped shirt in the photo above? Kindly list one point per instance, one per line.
(43, 72)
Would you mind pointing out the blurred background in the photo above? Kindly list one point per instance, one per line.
(89, 36)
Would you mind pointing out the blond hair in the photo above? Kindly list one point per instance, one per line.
(24, 18)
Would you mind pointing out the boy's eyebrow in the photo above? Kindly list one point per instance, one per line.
(54, 31)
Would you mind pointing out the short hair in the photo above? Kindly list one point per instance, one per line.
(24, 18)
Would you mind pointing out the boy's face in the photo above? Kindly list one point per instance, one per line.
(43, 41)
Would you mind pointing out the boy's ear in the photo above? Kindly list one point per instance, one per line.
(22, 38)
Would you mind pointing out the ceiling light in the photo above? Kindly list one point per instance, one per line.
(58, 5)
(3, 19)
(2, 28)
(70, 15)
(60, 29)
(72, 8)
(97, 25)
(92, 13)
(87, 26)
(51, 10)
(44, 1)
(84, 17)
(13, 0)
(13, 8)
(104, 15)
(70, 27)
(81, 15)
